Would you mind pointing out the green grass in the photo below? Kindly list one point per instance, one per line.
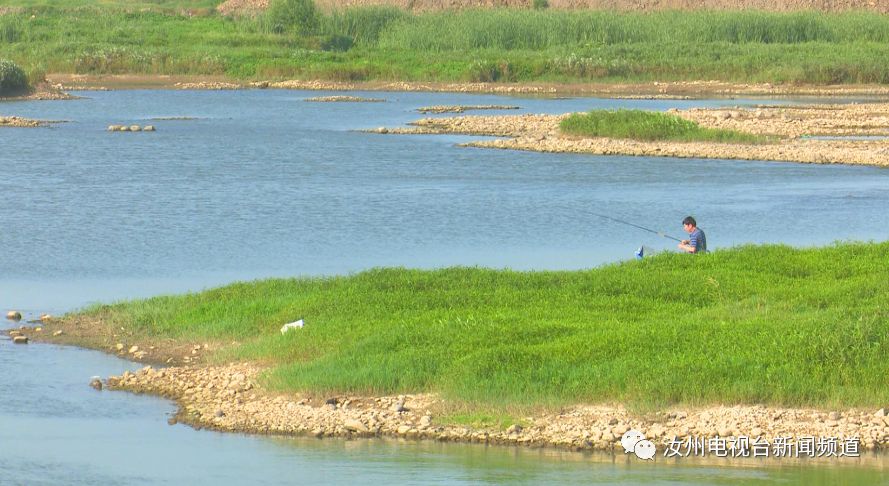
(375, 43)
(753, 324)
(648, 125)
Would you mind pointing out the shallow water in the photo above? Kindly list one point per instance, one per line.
(261, 183)
(54, 429)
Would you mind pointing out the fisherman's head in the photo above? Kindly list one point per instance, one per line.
(689, 224)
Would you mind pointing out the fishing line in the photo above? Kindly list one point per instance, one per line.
(659, 233)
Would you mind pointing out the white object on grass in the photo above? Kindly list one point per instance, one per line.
(292, 325)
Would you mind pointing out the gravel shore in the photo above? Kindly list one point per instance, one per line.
(790, 125)
(16, 121)
(230, 398)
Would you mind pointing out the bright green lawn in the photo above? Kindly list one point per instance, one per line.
(753, 324)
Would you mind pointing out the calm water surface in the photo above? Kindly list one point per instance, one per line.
(262, 183)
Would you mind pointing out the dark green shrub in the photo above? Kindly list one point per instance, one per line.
(363, 24)
(12, 78)
(9, 29)
(490, 71)
(292, 16)
(334, 42)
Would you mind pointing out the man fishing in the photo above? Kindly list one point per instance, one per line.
(696, 242)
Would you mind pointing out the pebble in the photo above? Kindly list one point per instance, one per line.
(14, 315)
(96, 383)
(355, 426)
(20, 340)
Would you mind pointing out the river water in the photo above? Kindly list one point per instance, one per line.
(238, 185)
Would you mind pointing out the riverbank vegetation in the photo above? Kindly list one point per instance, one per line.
(293, 39)
(648, 125)
(754, 324)
(13, 80)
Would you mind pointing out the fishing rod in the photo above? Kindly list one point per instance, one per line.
(633, 225)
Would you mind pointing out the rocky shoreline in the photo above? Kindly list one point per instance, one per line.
(344, 99)
(462, 108)
(789, 125)
(650, 90)
(230, 398)
(17, 121)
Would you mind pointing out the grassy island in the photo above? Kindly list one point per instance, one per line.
(754, 324)
(648, 125)
(294, 39)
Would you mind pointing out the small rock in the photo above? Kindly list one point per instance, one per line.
(355, 426)
(426, 420)
(613, 421)
(330, 401)
(399, 407)
(880, 413)
(725, 432)
(58, 333)
(135, 128)
(20, 339)
(45, 317)
(133, 349)
(755, 432)
(514, 429)
(403, 429)
(14, 333)
(118, 346)
(96, 383)
(318, 433)
(833, 416)
(148, 128)
(172, 421)
(220, 413)
(38, 329)
(14, 315)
